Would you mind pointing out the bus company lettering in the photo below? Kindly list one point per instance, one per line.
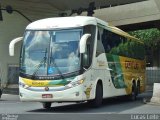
(100, 63)
(131, 65)
(35, 83)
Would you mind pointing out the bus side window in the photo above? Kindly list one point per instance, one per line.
(106, 41)
(86, 58)
(100, 47)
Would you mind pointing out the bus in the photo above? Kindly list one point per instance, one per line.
(78, 59)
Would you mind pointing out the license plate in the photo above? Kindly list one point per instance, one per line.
(47, 96)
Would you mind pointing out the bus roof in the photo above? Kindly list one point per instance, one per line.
(62, 22)
(75, 21)
(117, 31)
(122, 33)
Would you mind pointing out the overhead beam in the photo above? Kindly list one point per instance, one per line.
(140, 26)
(157, 3)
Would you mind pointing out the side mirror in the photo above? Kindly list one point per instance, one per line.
(83, 42)
(12, 44)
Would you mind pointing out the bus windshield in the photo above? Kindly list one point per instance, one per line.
(50, 53)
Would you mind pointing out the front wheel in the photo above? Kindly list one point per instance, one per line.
(46, 105)
(98, 97)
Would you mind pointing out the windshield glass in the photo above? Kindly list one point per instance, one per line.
(50, 53)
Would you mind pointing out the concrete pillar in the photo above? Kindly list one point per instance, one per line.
(156, 93)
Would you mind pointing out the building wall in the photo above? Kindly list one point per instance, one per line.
(12, 26)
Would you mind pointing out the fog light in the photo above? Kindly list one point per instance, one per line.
(20, 94)
(77, 93)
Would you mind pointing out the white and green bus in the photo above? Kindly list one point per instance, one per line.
(77, 59)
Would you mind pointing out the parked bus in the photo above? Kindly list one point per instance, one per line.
(78, 59)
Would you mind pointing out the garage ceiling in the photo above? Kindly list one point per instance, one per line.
(36, 9)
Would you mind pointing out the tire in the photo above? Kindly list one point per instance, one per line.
(0, 93)
(133, 95)
(47, 105)
(138, 87)
(98, 97)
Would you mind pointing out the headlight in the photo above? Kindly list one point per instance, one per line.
(73, 84)
(23, 85)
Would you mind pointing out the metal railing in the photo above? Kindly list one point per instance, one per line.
(152, 75)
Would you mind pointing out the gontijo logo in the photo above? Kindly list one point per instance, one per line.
(35, 83)
(45, 83)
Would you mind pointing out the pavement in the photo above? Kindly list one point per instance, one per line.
(118, 108)
(15, 90)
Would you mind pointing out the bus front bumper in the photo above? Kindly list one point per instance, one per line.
(72, 94)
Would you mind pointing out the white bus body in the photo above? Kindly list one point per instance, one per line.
(75, 66)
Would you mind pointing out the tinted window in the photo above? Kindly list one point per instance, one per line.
(89, 29)
(119, 45)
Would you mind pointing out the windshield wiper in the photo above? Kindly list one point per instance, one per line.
(55, 65)
(40, 64)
